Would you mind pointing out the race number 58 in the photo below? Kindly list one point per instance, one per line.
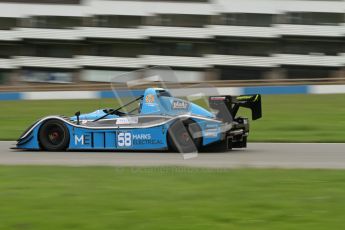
(124, 139)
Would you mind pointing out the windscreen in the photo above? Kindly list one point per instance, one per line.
(129, 87)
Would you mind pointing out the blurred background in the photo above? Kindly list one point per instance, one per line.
(228, 42)
(71, 49)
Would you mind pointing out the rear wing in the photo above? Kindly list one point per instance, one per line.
(228, 106)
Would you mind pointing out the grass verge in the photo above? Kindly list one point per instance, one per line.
(170, 198)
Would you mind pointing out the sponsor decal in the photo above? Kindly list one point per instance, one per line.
(211, 133)
(82, 139)
(145, 139)
(147, 142)
(142, 136)
(149, 98)
(128, 139)
(211, 130)
(124, 139)
(217, 98)
(240, 98)
(126, 120)
(177, 104)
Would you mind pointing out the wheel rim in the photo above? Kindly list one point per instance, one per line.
(55, 134)
(185, 138)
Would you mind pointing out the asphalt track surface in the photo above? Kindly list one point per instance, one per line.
(257, 155)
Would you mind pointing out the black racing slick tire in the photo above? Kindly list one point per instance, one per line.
(184, 136)
(244, 142)
(53, 135)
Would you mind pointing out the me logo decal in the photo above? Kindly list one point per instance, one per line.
(78, 139)
(124, 139)
(84, 139)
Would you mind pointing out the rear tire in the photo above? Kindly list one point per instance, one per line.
(183, 136)
(244, 142)
(53, 135)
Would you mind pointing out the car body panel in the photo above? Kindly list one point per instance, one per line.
(150, 134)
(147, 130)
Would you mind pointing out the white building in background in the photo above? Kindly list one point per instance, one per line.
(93, 40)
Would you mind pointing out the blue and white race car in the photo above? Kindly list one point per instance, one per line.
(158, 122)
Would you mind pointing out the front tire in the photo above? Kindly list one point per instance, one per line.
(53, 135)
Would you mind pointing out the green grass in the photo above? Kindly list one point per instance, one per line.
(301, 118)
(286, 118)
(170, 198)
